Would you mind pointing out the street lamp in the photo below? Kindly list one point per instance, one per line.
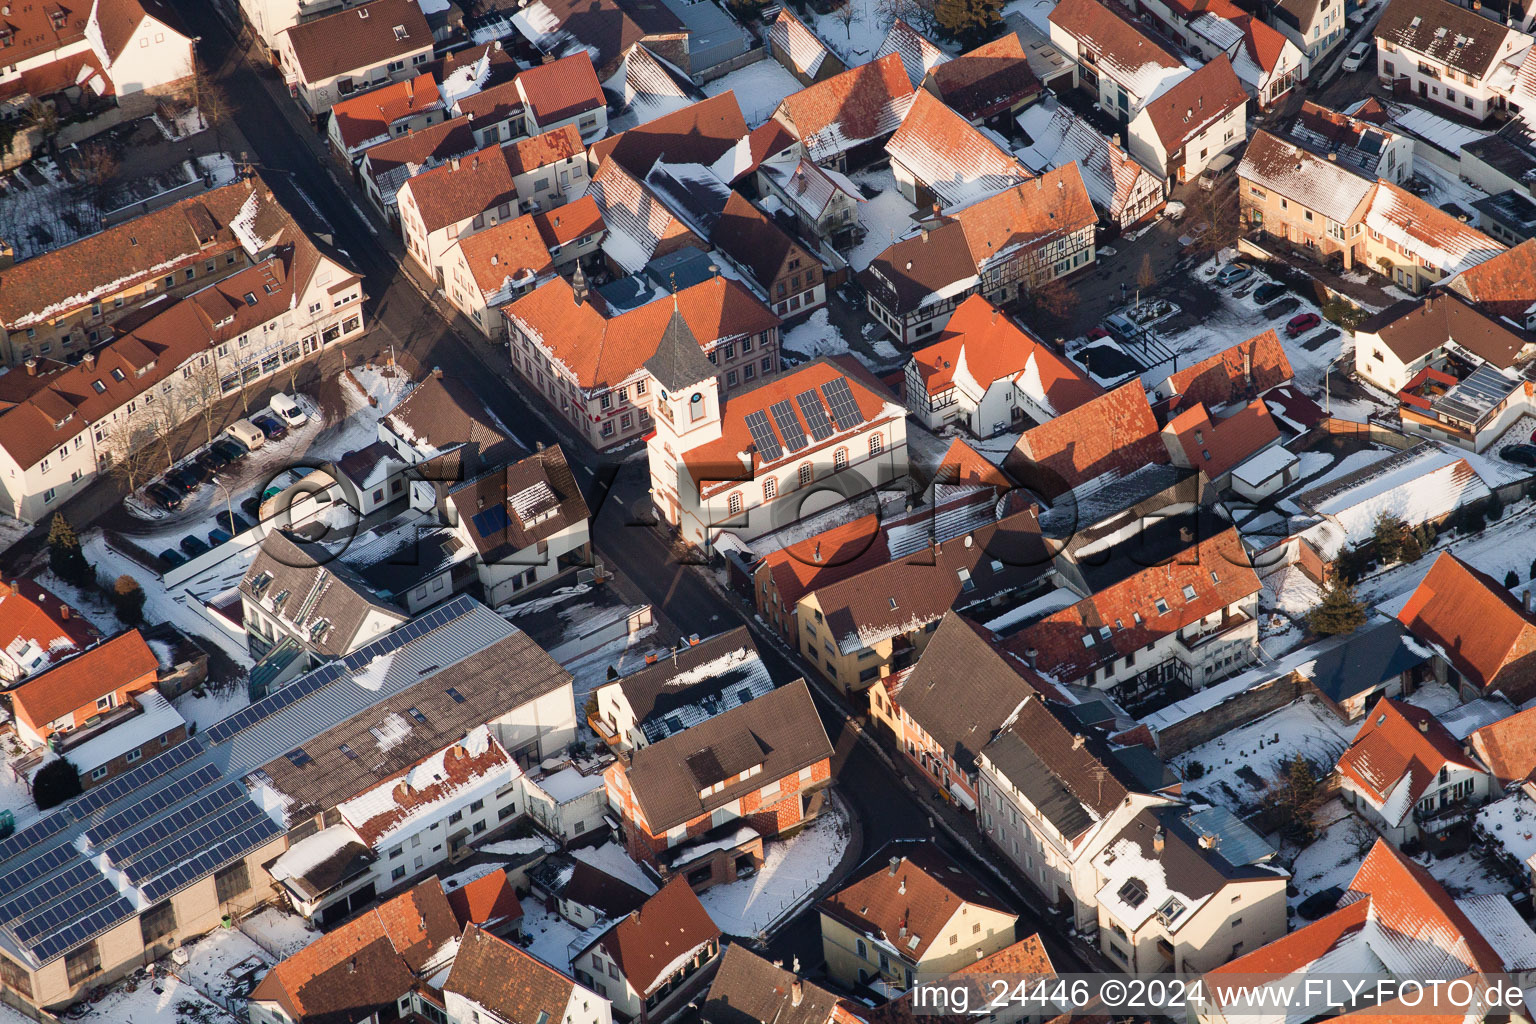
(228, 504)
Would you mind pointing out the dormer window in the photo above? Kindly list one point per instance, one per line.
(98, 386)
(1189, 592)
(250, 298)
(117, 374)
(401, 34)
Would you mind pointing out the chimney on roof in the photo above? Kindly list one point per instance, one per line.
(1158, 841)
(816, 554)
(89, 359)
(796, 992)
(352, 966)
(1423, 725)
(454, 163)
(1078, 741)
(437, 371)
(1030, 654)
(31, 367)
(64, 611)
(895, 862)
(1207, 841)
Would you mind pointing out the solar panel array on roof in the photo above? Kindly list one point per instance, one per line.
(220, 799)
(111, 792)
(157, 801)
(87, 928)
(37, 867)
(762, 436)
(73, 907)
(491, 520)
(189, 842)
(815, 415)
(28, 900)
(406, 632)
(845, 411)
(36, 834)
(182, 875)
(789, 427)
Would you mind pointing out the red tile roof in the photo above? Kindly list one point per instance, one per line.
(561, 89)
(488, 900)
(1234, 374)
(821, 560)
(432, 144)
(1121, 47)
(1483, 629)
(432, 778)
(30, 613)
(565, 224)
(1049, 206)
(34, 32)
(122, 661)
(1195, 103)
(542, 150)
(988, 79)
(1114, 433)
(650, 941)
(507, 252)
(988, 345)
(1216, 446)
(954, 159)
(512, 984)
(369, 116)
(603, 351)
(1508, 747)
(464, 187)
(962, 464)
(1215, 570)
(358, 37)
(1399, 743)
(1504, 285)
(699, 133)
(861, 104)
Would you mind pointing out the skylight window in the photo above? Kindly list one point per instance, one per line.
(1134, 892)
(351, 754)
(298, 757)
(458, 698)
(1189, 592)
(1162, 606)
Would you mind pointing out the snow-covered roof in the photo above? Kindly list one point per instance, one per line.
(797, 44)
(1264, 465)
(568, 784)
(959, 162)
(1317, 184)
(645, 89)
(312, 851)
(157, 718)
(1431, 235)
(1506, 931)
(919, 54)
(1060, 137)
(809, 185)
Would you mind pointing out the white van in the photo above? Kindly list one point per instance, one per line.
(247, 433)
(288, 410)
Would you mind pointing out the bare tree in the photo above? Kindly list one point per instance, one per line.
(918, 13)
(847, 14)
(1054, 299)
(130, 445)
(45, 117)
(199, 393)
(212, 110)
(98, 166)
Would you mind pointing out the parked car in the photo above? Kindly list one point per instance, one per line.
(217, 536)
(1233, 273)
(1194, 234)
(1097, 333)
(252, 508)
(270, 427)
(193, 546)
(1264, 294)
(1301, 323)
(211, 462)
(247, 433)
(173, 558)
(1320, 903)
(186, 478)
(230, 449)
(231, 522)
(1520, 455)
(1220, 166)
(287, 410)
(1358, 55)
(163, 497)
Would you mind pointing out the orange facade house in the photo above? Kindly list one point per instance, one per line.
(85, 690)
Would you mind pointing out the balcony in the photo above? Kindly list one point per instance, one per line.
(1230, 622)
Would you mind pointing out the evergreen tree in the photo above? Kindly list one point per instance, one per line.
(1389, 538)
(1412, 549)
(1349, 566)
(1338, 613)
(54, 783)
(1511, 580)
(128, 600)
(1297, 799)
(64, 554)
(968, 19)
(1495, 507)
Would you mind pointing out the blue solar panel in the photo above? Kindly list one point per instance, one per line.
(36, 834)
(37, 867)
(123, 785)
(211, 860)
(789, 427)
(133, 814)
(168, 826)
(845, 409)
(87, 928)
(491, 520)
(30, 899)
(189, 842)
(74, 907)
(815, 415)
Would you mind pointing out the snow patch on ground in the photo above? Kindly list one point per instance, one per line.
(815, 336)
(547, 935)
(887, 216)
(279, 933)
(1241, 765)
(792, 869)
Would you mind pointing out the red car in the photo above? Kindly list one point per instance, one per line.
(1301, 323)
(1097, 333)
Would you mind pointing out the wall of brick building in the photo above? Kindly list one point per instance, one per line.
(120, 764)
(1238, 710)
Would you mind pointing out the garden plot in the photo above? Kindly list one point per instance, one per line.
(759, 88)
(278, 932)
(1335, 855)
(1237, 769)
(885, 215)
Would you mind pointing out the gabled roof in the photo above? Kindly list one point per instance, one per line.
(1504, 285)
(565, 224)
(603, 351)
(1397, 753)
(1425, 231)
(1061, 137)
(1414, 328)
(510, 983)
(982, 345)
(699, 133)
(443, 413)
(963, 688)
(1126, 617)
(986, 80)
(829, 556)
(31, 614)
(358, 37)
(366, 118)
(905, 894)
(1216, 445)
(78, 682)
(505, 256)
(511, 509)
(391, 163)
(1194, 103)
(488, 901)
(1235, 374)
(561, 89)
(947, 154)
(1484, 631)
(1454, 36)
(365, 965)
(1114, 433)
(747, 989)
(779, 731)
(551, 147)
(310, 593)
(648, 943)
(641, 227)
(700, 672)
(860, 105)
(464, 187)
(1325, 186)
(797, 44)
(1124, 52)
(747, 235)
(919, 54)
(1508, 747)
